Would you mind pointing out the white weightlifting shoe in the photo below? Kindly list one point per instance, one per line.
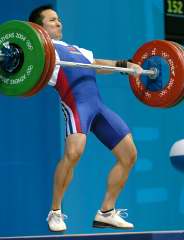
(112, 219)
(55, 221)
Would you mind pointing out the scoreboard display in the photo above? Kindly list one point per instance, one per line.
(174, 20)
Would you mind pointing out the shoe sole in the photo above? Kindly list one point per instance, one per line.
(56, 230)
(97, 224)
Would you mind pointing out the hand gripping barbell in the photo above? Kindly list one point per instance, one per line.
(27, 61)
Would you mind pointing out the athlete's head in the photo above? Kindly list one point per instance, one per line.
(47, 17)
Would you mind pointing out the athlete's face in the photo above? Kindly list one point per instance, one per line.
(52, 24)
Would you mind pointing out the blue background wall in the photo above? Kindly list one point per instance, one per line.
(32, 131)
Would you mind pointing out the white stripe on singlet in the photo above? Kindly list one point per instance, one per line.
(69, 118)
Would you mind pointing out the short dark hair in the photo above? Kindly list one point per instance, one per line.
(36, 16)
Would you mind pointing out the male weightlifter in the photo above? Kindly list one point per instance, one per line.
(84, 112)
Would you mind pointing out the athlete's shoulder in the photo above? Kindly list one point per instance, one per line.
(66, 44)
(87, 53)
(60, 42)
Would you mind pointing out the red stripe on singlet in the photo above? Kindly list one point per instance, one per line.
(67, 96)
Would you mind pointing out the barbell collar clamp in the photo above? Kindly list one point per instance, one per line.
(2, 56)
(155, 74)
(11, 58)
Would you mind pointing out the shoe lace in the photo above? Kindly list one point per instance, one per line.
(57, 216)
(121, 212)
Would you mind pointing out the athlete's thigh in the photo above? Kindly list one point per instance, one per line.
(78, 119)
(109, 128)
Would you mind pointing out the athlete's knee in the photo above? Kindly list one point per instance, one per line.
(128, 157)
(74, 148)
(73, 154)
(132, 156)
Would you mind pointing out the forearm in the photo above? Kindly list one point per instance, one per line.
(113, 63)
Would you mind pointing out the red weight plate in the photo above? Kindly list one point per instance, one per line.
(52, 52)
(173, 90)
(43, 78)
(52, 57)
(180, 98)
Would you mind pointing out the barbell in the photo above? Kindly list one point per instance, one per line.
(27, 61)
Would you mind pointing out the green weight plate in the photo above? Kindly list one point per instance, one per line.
(26, 38)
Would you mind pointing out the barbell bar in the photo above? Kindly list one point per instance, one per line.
(160, 84)
(151, 73)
